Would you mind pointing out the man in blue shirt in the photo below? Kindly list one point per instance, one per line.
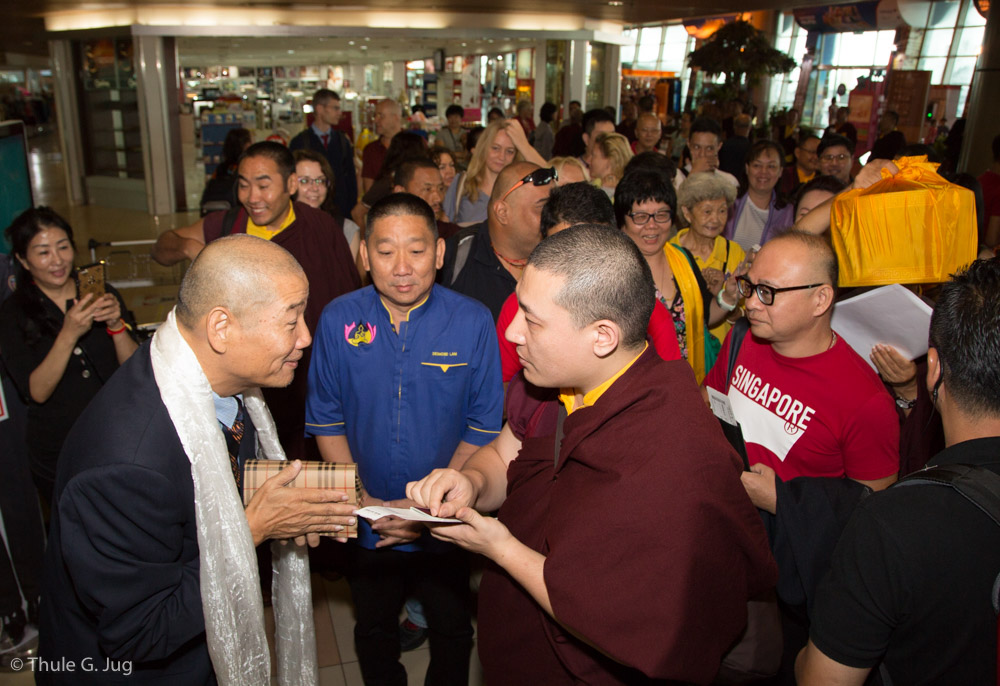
(334, 145)
(405, 379)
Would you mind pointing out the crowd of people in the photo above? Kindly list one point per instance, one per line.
(600, 356)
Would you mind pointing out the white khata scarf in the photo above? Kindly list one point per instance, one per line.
(230, 583)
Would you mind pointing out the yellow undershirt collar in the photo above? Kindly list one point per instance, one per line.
(266, 233)
(567, 396)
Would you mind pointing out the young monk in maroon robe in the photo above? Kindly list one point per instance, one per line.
(265, 188)
(631, 555)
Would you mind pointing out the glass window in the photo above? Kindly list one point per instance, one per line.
(884, 47)
(963, 94)
(935, 65)
(962, 69)
(648, 56)
(943, 14)
(937, 43)
(674, 55)
(970, 40)
(973, 17)
(856, 48)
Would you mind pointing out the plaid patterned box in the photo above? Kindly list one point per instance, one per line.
(339, 477)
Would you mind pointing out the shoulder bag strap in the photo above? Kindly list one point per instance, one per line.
(736, 336)
(458, 197)
(978, 485)
(229, 220)
(461, 256)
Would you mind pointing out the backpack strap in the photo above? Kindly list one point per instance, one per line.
(458, 198)
(461, 256)
(978, 485)
(229, 220)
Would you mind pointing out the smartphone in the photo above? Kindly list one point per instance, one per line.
(90, 279)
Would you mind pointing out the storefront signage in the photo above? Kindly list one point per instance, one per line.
(858, 16)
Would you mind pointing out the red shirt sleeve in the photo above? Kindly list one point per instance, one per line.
(509, 363)
(661, 333)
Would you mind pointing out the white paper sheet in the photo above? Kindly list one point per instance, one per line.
(374, 512)
(892, 315)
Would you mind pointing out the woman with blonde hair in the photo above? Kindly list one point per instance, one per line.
(468, 196)
(607, 165)
(570, 170)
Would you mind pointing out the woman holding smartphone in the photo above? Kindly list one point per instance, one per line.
(58, 348)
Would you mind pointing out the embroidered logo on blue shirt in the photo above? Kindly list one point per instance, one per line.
(357, 334)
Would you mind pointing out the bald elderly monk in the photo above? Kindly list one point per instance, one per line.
(150, 575)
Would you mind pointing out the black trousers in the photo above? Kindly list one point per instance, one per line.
(20, 572)
(380, 581)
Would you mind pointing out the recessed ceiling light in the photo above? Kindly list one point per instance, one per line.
(350, 42)
(615, 3)
(291, 52)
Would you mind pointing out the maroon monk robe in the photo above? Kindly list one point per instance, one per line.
(315, 240)
(652, 545)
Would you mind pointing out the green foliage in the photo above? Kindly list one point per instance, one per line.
(742, 53)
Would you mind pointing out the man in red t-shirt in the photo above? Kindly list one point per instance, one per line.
(990, 181)
(808, 405)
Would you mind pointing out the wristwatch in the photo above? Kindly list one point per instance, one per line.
(905, 404)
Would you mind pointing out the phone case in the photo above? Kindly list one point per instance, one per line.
(90, 279)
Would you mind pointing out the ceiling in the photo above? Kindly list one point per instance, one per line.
(23, 28)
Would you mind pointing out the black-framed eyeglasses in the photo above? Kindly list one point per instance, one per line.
(305, 181)
(539, 177)
(764, 292)
(662, 216)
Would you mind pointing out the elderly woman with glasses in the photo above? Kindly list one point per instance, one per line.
(705, 200)
(644, 207)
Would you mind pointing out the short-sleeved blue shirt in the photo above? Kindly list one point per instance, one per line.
(404, 400)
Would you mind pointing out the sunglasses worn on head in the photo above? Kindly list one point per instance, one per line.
(764, 292)
(539, 177)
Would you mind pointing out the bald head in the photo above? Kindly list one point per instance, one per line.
(510, 175)
(235, 272)
(812, 253)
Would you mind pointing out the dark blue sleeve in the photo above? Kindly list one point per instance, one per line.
(124, 547)
(485, 416)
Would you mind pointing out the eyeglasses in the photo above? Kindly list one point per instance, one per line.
(764, 292)
(663, 216)
(305, 181)
(835, 158)
(539, 177)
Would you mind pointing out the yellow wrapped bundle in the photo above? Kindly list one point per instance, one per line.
(913, 227)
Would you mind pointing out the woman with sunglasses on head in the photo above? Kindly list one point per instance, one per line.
(705, 200)
(644, 207)
(59, 349)
(315, 181)
(500, 144)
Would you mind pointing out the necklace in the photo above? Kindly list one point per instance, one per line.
(833, 339)
(517, 264)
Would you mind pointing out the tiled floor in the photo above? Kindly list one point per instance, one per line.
(333, 611)
(333, 615)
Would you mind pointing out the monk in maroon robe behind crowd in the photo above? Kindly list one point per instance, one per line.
(630, 555)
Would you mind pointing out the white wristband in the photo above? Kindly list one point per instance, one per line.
(723, 304)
